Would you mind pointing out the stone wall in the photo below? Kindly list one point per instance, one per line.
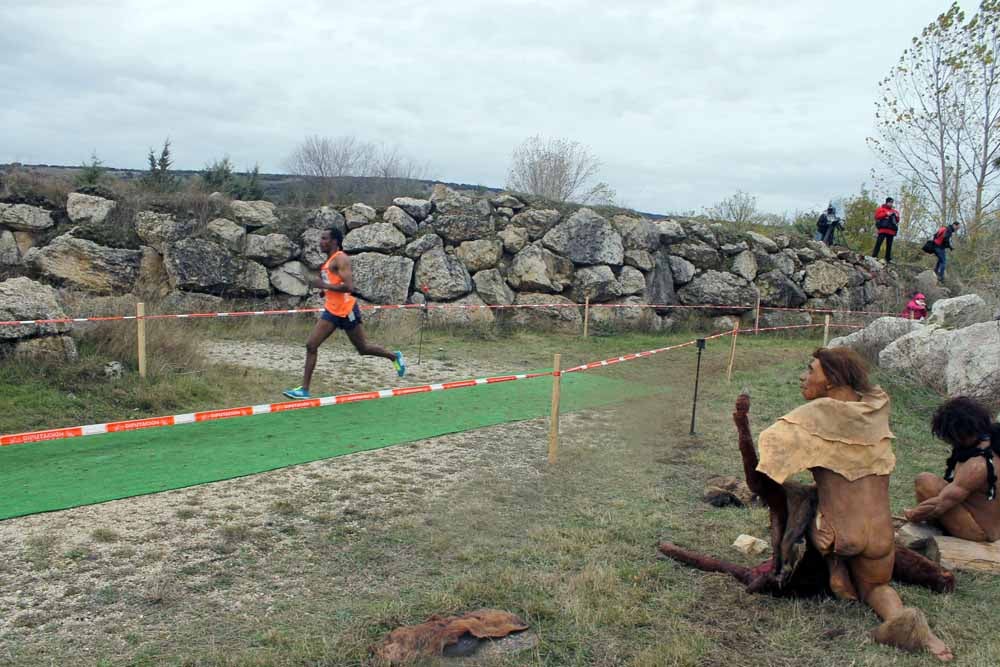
(451, 248)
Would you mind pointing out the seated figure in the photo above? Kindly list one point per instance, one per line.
(963, 502)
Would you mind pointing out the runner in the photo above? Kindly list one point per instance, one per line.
(340, 312)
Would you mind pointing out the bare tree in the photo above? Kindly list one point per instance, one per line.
(558, 169)
(740, 210)
(326, 157)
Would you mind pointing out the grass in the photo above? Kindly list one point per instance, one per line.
(570, 547)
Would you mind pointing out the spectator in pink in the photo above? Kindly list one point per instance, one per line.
(916, 309)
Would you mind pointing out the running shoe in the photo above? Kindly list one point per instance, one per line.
(400, 364)
(296, 393)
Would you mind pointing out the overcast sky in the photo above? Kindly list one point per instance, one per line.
(684, 101)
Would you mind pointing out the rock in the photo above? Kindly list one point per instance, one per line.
(762, 242)
(359, 215)
(227, 234)
(114, 370)
(25, 218)
(739, 494)
(598, 283)
(480, 254)
(491, 286)
(782, 241)
(700, 254)
(290, 278)
(381, 278)
(670, 231)
(252, 281)
(199, 265)
(157, 230)
(87, 209)
(25, 242)
(56, 348)
(271, 250)
(25, 299)
(682, 269)
(876, 336)
(915, 535)
(778, 291)
(326, 217)
(84, 265)
(444, 276)
(631, 314)
(806, 255)
(153, 282)
(745, 265)
(784, 261)
(537, 222)
(534, 270)
(731, 249)
(563, 317)
(718, 288)
(474, 315)
(702, 232)
(418, 209)
(586, 238)
(514, 239)
(640, 259)
(824, 279)
(750, 545)
(505, 212)
(637, 233)
(378, 237)
(960, 311)
(660, 281)
(190, 302)
(311, 254)
(782, 318)
(926, 282)
(632, 281)
(10, 254)
(253, 214)
(507, 200)
(401, 219)
(725, 323)
(461, 218)
(426, 242)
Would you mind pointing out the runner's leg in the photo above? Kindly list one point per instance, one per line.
(320, 333)
(364, 348)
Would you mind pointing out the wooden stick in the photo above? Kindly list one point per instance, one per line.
(956, 554)
(756, 321)
(554, 424)
(140, 312)
(732, 353)
(826, 329)
(586, 315)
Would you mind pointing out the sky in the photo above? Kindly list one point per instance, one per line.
(683, 101)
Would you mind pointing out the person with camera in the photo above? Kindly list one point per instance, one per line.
(942, 242)
(827, 225)
(886, 225)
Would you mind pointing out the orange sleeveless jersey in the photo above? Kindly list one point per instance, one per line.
(338, 303)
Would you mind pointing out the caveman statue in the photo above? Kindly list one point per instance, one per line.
(835, 536)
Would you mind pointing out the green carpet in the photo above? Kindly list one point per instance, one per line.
(47, 476)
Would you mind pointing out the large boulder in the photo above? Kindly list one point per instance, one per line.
(200, 265)
(670, 231)
(721, 289)
(960, 311)
(745, 265)
(418, 209)
(25, 218)
(86, 209)
(480, 254)
(153, 283)
(507, 200)
(514, 239)
(402, 220)
(469, 312)
(824, 279)
(491, 286)
(959, 362)
(54, 348)
(252, 281)
(762, 242)
(637, 233)
(682, 269)
(535, 269)
(381, 278)
(874, 338)
(699, 253)
(639, 259)
(177, 302)
(10, 254)
(419, 246)
(84, 265)
(586, 238)
(444, 276)
(158, 230)
(254, 214)
(290, 278)
(546, 312)
(461, 218)
(227, 234)
(596, 282)
(777, 290)
(359, 215)
(271, 250)
(629, 314)
(311, 254)
(326, 217)
(537, 222)
(632, 281)
(927, 283)
(660, 281)
(378, 236)
(25, 299)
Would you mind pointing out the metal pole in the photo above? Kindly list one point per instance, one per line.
(697, 376)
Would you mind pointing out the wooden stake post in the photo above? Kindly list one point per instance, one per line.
(140, 313)
(554, 424)
(586, 315)
(756, 319)
(732, 353)
(826, 329)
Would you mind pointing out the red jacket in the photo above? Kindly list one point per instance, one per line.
(916, 309)
(885, 211)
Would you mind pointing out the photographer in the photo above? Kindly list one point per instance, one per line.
(886, 224)
(827, 226)
(942, 242)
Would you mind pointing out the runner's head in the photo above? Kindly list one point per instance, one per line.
(330, 240)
